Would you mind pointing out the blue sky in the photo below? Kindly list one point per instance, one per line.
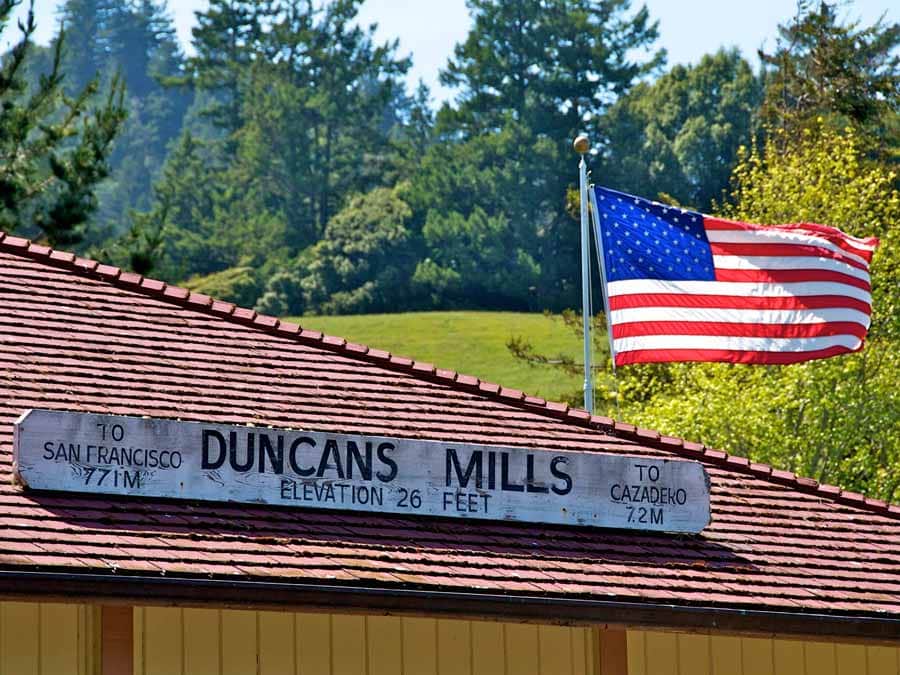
(429, 29)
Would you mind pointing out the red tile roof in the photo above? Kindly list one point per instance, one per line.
(82, 336)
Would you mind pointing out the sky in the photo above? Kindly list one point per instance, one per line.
(429, 29)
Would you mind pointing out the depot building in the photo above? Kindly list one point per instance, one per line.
(191, 488)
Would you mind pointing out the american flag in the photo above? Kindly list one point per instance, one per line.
(683, 286)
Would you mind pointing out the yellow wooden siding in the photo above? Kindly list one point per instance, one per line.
(173, 641)
(660, 653)
(47, 639)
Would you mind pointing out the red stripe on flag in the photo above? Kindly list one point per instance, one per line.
(782, 251)
(774, 358)
(791, 276)
(736, 302)
(762, 330)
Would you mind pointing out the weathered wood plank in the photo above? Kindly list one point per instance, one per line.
(87, 452)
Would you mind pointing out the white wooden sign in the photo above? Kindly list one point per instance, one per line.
(110, 454)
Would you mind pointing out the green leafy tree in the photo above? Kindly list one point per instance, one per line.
(84, 56)
(53, 148)
(145, 50)
(362, 264)
(313, 125)
(471, 263)
(501, 178)
(133, 41)
(680, 134)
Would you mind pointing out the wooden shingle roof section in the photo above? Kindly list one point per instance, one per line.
(781, 551)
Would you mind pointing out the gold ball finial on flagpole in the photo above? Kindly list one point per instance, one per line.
(581, 144)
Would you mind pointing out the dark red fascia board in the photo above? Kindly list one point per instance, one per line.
(263, 595)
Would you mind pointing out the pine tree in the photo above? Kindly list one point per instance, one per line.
(53, 148)
(547, 63)
(530, 75)
(316, 123)
(85, 52)
(226, 39)
(841, 71)
(134, 40)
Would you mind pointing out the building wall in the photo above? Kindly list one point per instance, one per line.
(173, 641)
(656, 653)
(63, 639)
(47, 639)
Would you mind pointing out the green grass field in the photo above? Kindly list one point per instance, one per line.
(473, 343)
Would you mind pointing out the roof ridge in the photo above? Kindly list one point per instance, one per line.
(227, 310)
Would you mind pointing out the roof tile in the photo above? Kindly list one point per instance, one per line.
(264, 321)
(38, 250)
(244, 314)
(222, 308)
(489, 387)
(130, 279)
(467, 380)
(288, 328)
(153, 285)
(199, 300)
(176, 293)
(108, 272)
(62, 256)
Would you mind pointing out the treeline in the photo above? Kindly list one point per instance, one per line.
(286, 165)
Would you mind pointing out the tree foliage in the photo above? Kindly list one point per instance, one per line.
(134, 43)
(531, 75)
(822, 67)
(302, 119)
(53, 147)
(361, 264)
(679, 135)
(546, 64)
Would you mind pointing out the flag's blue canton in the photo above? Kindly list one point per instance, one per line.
(646, 240)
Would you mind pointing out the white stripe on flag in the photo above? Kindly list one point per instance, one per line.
(765, 262)
(748, 316)
(779, 237)
(747, 344)
(737, 288)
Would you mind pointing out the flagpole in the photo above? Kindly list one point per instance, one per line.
(604, 285)
(582, 145)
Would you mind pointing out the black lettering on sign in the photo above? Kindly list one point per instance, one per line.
(161, 458)
(354, 457)
(557, 472)
(331, 450)
(530, 483)
(206, 457)
(275, 455)
(463, 477)
(504, 475)
(249, 457)
(387, 461)
(295, 462)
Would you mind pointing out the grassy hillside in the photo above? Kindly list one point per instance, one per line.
(469, 342)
